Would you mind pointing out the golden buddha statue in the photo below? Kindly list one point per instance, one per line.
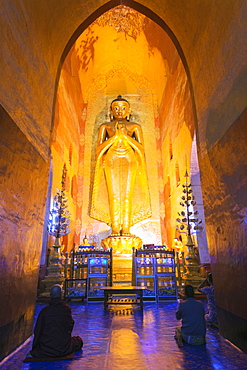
(120, 191)
(85, 241)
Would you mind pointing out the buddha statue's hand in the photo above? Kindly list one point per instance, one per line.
(120, 129)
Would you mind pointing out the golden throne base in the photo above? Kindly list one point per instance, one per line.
(122, 249)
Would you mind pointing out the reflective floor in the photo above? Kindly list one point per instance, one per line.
(129, 340)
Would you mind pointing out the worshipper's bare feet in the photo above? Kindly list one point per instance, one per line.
(179, 338)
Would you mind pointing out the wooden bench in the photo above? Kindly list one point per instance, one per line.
(126, 291)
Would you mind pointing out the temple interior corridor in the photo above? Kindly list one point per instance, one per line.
(181, 67)
(143, 340)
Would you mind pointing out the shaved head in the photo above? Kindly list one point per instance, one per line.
(56, 291)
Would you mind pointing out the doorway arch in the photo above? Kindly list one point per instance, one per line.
(175, 123)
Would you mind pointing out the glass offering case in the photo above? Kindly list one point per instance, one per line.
(92, 266)
(154, 268)
(166, 277)
(97, 277)
(145, 276)
(79, 262)
(75, 289)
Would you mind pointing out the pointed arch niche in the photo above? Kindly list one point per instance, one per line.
(124, 52)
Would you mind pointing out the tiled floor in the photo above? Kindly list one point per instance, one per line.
(131, 341)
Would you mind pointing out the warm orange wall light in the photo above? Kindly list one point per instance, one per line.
(122, 52)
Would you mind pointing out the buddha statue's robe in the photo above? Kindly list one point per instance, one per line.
(120, 195)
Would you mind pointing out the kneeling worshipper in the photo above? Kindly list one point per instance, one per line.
(52, 333)
(191, 311)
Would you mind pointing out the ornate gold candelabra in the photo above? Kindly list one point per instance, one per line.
(55, 270)
(58, 226)
(189, 222)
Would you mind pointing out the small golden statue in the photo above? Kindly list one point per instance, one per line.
(120, 191)
(85, 241)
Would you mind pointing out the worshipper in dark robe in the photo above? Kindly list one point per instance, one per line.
(191, 312)
(52, 333)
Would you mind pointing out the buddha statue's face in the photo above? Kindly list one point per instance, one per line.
(120, 109)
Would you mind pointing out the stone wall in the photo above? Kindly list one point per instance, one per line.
(35, 37)
(23, 184)
(224, 184)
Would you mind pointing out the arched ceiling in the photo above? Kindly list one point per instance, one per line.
(124, 52)
(35, 35)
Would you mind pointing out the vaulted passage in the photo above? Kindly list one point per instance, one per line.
(124, 52)
(182, 68)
